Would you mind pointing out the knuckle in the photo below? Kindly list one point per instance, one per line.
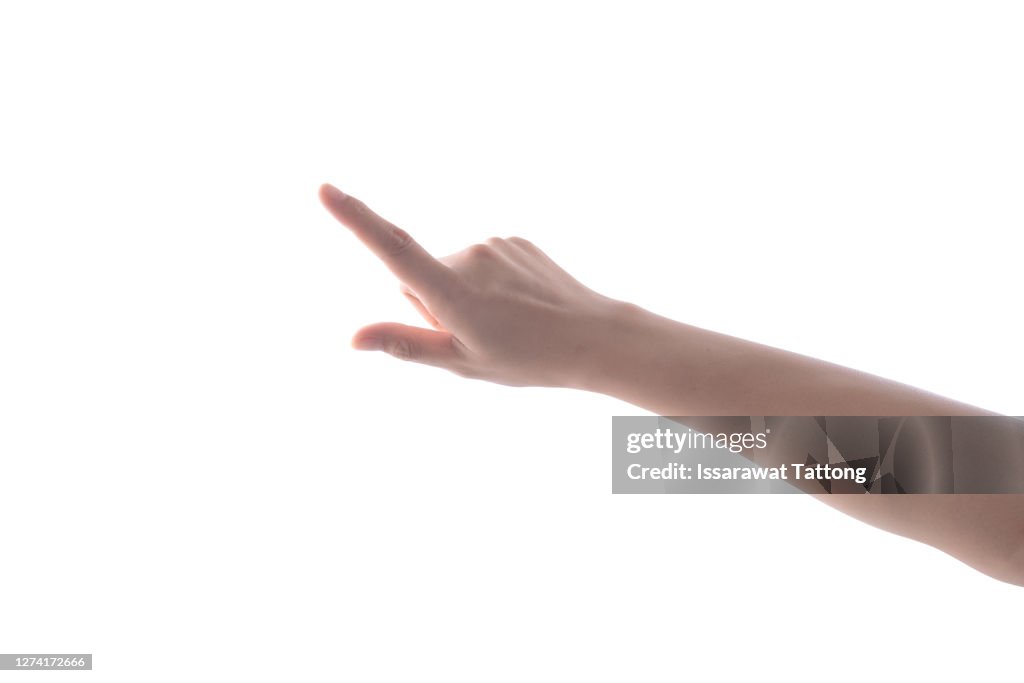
(403, 349)
(399, 240)
(356, 205)
(481, 251)
(522, 242)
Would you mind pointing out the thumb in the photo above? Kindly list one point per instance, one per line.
(418, 344)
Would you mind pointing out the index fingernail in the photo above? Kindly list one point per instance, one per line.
(368, 343)
(333, 193)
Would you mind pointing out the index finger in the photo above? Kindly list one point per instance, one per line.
(401, 253)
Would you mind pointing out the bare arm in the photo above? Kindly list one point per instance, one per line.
(672, 368)
(503, 311)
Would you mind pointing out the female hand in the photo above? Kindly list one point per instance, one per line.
(501, 310)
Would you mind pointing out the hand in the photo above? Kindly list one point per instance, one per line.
(500, 311)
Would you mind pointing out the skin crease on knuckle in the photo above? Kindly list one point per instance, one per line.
(403, 349)
(398, 240)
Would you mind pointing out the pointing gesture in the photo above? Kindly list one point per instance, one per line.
(501, 310)
(401, 253)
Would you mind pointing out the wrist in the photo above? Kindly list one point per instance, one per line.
(612, 356)
(659, 364)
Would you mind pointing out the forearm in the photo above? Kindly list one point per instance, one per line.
(672, 368)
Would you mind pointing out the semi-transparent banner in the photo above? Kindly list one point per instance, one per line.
(814, 454)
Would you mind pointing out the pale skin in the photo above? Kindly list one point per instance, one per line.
(504, 312)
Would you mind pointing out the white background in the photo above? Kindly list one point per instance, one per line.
(202, 480)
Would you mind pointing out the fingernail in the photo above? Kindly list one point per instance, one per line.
(368, 343)
(333, 192)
